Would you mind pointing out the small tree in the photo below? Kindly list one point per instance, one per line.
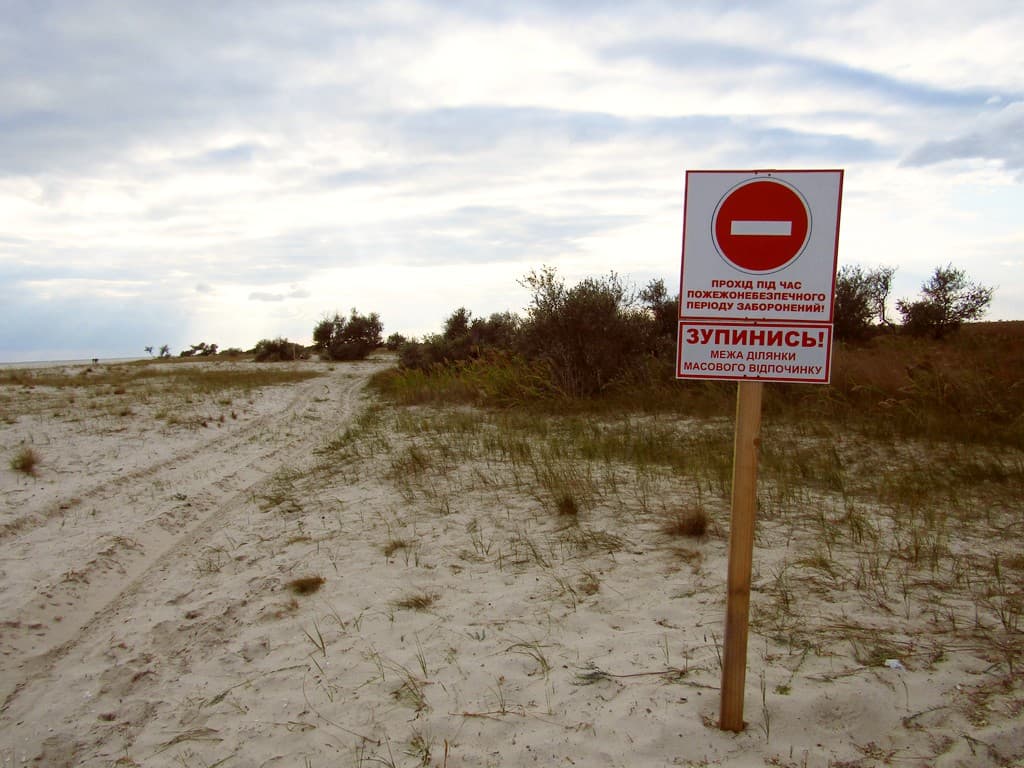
(395, 342)
(165, 351)
(879, 287)
(861, 296)
(351, 338)
(149, 350)
(663, 308)
(853, 308)
(948, 300)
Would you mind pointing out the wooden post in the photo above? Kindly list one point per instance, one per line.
(741, 552)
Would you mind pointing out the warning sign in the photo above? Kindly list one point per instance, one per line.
(758, 275)
(743, 352)
(760, 246)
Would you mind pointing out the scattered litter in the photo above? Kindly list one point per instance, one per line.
(894, 664)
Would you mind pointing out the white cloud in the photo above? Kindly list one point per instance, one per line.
(279, 161)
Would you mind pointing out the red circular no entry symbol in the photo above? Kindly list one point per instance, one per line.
(761, 225)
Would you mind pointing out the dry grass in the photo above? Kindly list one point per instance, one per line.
(178, 393)
(567, 506)
(417, 601)
(306, 585)
(394, 545)
(26, 460)
(692, 523)
(969, 387)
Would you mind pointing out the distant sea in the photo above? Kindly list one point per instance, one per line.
(56, 363)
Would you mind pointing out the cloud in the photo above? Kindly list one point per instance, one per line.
(219, 167)
(478, 129)
(296, 293)
(783, 70)
(236, 154)
(83, 86)
(998, 137)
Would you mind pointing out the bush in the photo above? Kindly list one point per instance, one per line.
(663, 310)
(860, 298)
(584, 339)
(353, 338)
(395, 342)
(589, 335)
(202, 349)
(278, 350)
(948, 301)
(25, 460)
(463, 338)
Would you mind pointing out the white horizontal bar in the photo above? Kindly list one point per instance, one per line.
(780, 228)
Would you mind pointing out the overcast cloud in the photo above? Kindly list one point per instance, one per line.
(181, 171)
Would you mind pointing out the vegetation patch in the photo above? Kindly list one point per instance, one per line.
(306, 585)
(26, 460)
(692, 523)
(417, 601)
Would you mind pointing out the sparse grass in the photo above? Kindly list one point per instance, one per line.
(306, 585)
(567, 506)
(417, 601)
(26, 460)
(394, 545)
(692, 522)
(887, 539)
(179, 385)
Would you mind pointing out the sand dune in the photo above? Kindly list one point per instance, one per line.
(154, 611)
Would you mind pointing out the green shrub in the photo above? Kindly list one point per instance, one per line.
(948, 301)
(352, 338)
(589, 335)
(278, 350)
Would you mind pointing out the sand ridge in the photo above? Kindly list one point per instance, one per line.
(460, 622)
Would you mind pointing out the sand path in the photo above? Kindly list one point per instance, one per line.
(151, 519)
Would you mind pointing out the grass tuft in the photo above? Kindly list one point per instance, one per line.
(567, 506)
(690, 523)
(306, 585)
(419, 601)
(394, 545)
(26, 460)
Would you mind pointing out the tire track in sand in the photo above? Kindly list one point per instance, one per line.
(216, 482)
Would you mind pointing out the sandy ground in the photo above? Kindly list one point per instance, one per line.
(148, 617)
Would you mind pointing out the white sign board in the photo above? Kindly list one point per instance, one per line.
(760, 246)
(758, 274)
(754, 352)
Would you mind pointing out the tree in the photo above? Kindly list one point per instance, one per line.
(948, 300)
(663, 308)
(879, 288)
(861, 295)
(457, 324)
(149, 350)
(395, 342)
(165, 351)
(351, 338)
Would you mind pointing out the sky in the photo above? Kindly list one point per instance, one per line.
(181, 171)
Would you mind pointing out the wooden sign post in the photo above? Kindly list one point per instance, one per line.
(756, 304)
(741, 552)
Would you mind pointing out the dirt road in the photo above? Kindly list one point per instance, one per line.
(124, 521)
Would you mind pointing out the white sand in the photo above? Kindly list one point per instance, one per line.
(146, 618)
